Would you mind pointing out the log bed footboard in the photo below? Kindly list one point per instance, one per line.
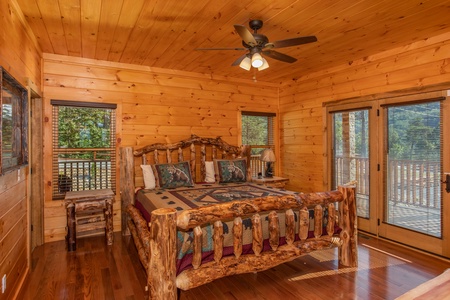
(157, 248)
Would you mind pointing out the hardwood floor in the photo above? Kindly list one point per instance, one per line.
(96, 271)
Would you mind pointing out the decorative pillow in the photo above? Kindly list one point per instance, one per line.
(149, 177)
(234, 170)
(173, 175)
(210, 176)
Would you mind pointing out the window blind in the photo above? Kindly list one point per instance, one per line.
(84, 147)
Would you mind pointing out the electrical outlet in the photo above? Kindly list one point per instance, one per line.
(3, 283)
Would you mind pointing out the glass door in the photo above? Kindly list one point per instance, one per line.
(350, 161)
(397, 152)
(413, 170)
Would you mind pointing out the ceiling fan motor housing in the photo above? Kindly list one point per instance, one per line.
(261, 41)
(255, 24)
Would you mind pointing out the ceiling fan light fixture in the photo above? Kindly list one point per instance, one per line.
(264, 66)
(246, 63)
(257, 60)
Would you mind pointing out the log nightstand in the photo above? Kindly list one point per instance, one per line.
(87, 213)
(278, 182)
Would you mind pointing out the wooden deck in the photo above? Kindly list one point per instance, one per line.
(97, 271)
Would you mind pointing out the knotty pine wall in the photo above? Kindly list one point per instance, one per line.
(21, 57)
(424, 65)
(154, 105)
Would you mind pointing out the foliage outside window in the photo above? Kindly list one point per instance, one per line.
(83, 147)
(14, 123)
(258, 132)
(414, 132)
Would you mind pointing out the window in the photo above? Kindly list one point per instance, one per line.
(258, 132)
(14, 123)
(84, 147)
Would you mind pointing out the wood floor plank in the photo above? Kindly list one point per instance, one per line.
(97, 271)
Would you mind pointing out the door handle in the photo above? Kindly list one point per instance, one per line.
(447, 182)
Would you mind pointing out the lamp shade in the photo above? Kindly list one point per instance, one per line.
(257, 60)
(264, 66)
(268, 155)
(246, 63)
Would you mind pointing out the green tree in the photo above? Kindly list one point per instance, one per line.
(81, 127)
(254, 131)
(7, 128)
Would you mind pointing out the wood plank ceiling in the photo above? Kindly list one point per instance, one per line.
(165, 33)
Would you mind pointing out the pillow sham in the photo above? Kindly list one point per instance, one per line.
(173, 175)
(210, 176)
(149, 177)
(234, 170)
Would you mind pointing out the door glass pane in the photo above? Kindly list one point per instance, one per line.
(413, 197)
(351, 154)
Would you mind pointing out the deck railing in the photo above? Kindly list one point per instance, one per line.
(87, 174)
(257, 165)
(415, 183)
(79, 174)
(411, 182)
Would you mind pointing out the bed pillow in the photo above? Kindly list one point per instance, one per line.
(149, 177)
(210, 176)
(231, 170)
(173, 175)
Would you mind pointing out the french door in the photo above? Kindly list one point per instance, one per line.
(397, 150)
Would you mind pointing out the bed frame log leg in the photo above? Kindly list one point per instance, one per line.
(162, 267)
(126, 184)
(348, 252)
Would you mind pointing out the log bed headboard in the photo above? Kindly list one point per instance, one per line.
(197, 150)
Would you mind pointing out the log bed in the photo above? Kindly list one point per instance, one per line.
(156, 241)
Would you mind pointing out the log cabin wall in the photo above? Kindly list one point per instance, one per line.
(21, 57)
(154, 105)
(424, 65)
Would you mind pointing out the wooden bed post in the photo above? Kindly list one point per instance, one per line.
(162, 267)
(246, 152)
(126, 184)
(348, 252)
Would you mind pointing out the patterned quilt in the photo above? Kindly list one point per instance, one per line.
(205, 194)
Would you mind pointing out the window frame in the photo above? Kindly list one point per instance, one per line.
(272, 141)
(56, 104)
(20, 157)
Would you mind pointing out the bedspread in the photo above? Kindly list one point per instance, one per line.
(206, 194)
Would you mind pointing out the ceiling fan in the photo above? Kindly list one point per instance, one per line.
(258, 44)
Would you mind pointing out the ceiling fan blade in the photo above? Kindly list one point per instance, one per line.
(220, 49)
(279, 56)
(239, 60)
(245, 35)
(294, 41)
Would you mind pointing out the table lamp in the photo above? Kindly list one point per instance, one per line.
(269, 157)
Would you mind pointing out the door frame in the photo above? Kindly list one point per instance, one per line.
(35, 191)
(409, 237)
(369, 225)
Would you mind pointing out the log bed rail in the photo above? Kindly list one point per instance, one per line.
(161, 242)
(157, 242)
